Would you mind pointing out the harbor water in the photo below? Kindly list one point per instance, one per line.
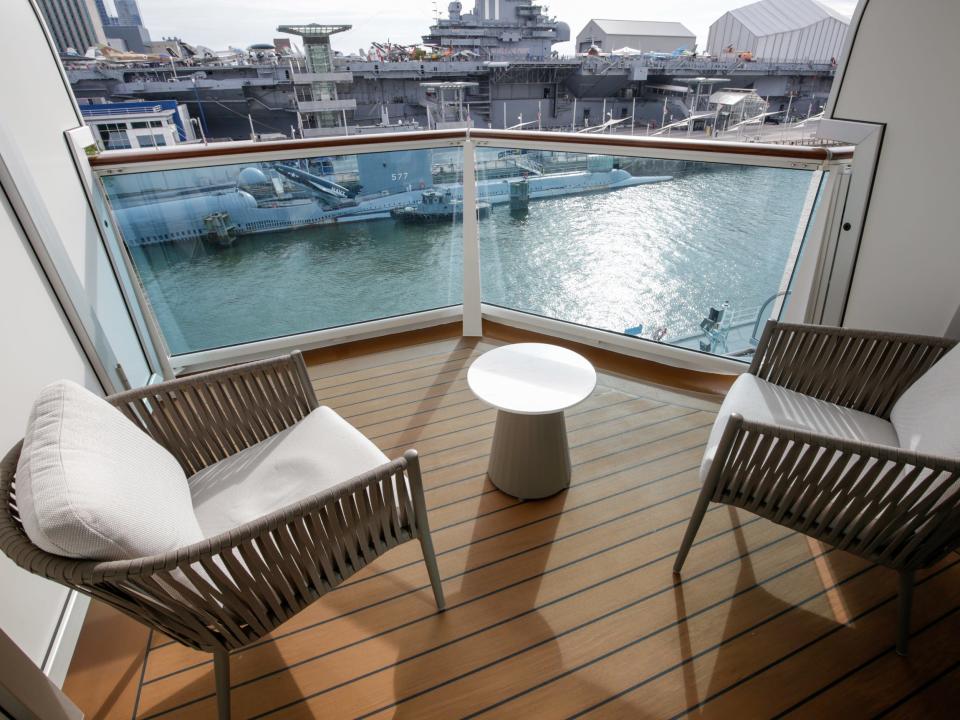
(659, 255)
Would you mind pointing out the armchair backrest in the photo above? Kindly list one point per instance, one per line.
(204, 418)
(866, 370)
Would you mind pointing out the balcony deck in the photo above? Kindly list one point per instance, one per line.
(560, 607)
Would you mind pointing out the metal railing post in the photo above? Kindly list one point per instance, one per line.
(472, 321)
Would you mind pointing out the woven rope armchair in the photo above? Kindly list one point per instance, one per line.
(894, 507)
(227, 591)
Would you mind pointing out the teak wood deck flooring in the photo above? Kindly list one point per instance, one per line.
(564, 607)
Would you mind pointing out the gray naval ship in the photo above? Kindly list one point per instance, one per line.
(502, 48)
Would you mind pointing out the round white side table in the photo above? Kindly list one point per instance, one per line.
(531, 384)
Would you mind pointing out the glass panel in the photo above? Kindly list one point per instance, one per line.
(686, 253)
(238, 253)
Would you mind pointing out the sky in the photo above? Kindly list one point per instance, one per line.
(221, 23)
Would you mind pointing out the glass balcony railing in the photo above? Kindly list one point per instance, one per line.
(689, 253)
(238, 253)
(653, 243)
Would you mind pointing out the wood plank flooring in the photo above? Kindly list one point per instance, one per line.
(567, 607)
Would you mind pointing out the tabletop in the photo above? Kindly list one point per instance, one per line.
(531, 378)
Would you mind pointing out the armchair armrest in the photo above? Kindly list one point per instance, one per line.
(207, 417)
(893, 506)
(863, 370)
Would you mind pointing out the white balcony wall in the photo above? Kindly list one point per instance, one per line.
(39, 348)
(39, 344)
(906, 271)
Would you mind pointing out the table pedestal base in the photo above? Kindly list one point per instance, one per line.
(530, 457)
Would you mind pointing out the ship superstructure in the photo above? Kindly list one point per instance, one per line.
(502, 50)
(498, 30)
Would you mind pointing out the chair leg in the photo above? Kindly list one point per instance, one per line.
(905, 602)
(420, 509)
(699, 510)
(430, 560)
(221, 670)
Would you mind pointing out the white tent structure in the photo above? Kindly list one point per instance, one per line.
(781, 31)
(647, 35)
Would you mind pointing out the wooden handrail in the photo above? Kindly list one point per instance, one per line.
(114, 158)
(800, 152)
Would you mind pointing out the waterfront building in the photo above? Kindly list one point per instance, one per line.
(73, 24)
(318, 105)
(128, 13)
(129, 38)
(123, 25)
(106, 17)
(119, 12)
(130, 125)
(643, 35)
(780, 31)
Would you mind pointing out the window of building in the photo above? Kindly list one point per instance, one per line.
(114, 136)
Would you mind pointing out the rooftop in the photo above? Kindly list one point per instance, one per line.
(768, 17)
(313, 29)
(643, 27)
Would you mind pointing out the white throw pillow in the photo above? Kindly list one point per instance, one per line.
(927, 415)
(91, 484)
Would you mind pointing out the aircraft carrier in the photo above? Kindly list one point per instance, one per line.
(509, 76)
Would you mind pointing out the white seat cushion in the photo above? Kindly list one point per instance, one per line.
(319, 452)
(761, 401)
(91, 484)
(925, 416)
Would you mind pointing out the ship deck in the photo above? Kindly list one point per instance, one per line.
(562, 607)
